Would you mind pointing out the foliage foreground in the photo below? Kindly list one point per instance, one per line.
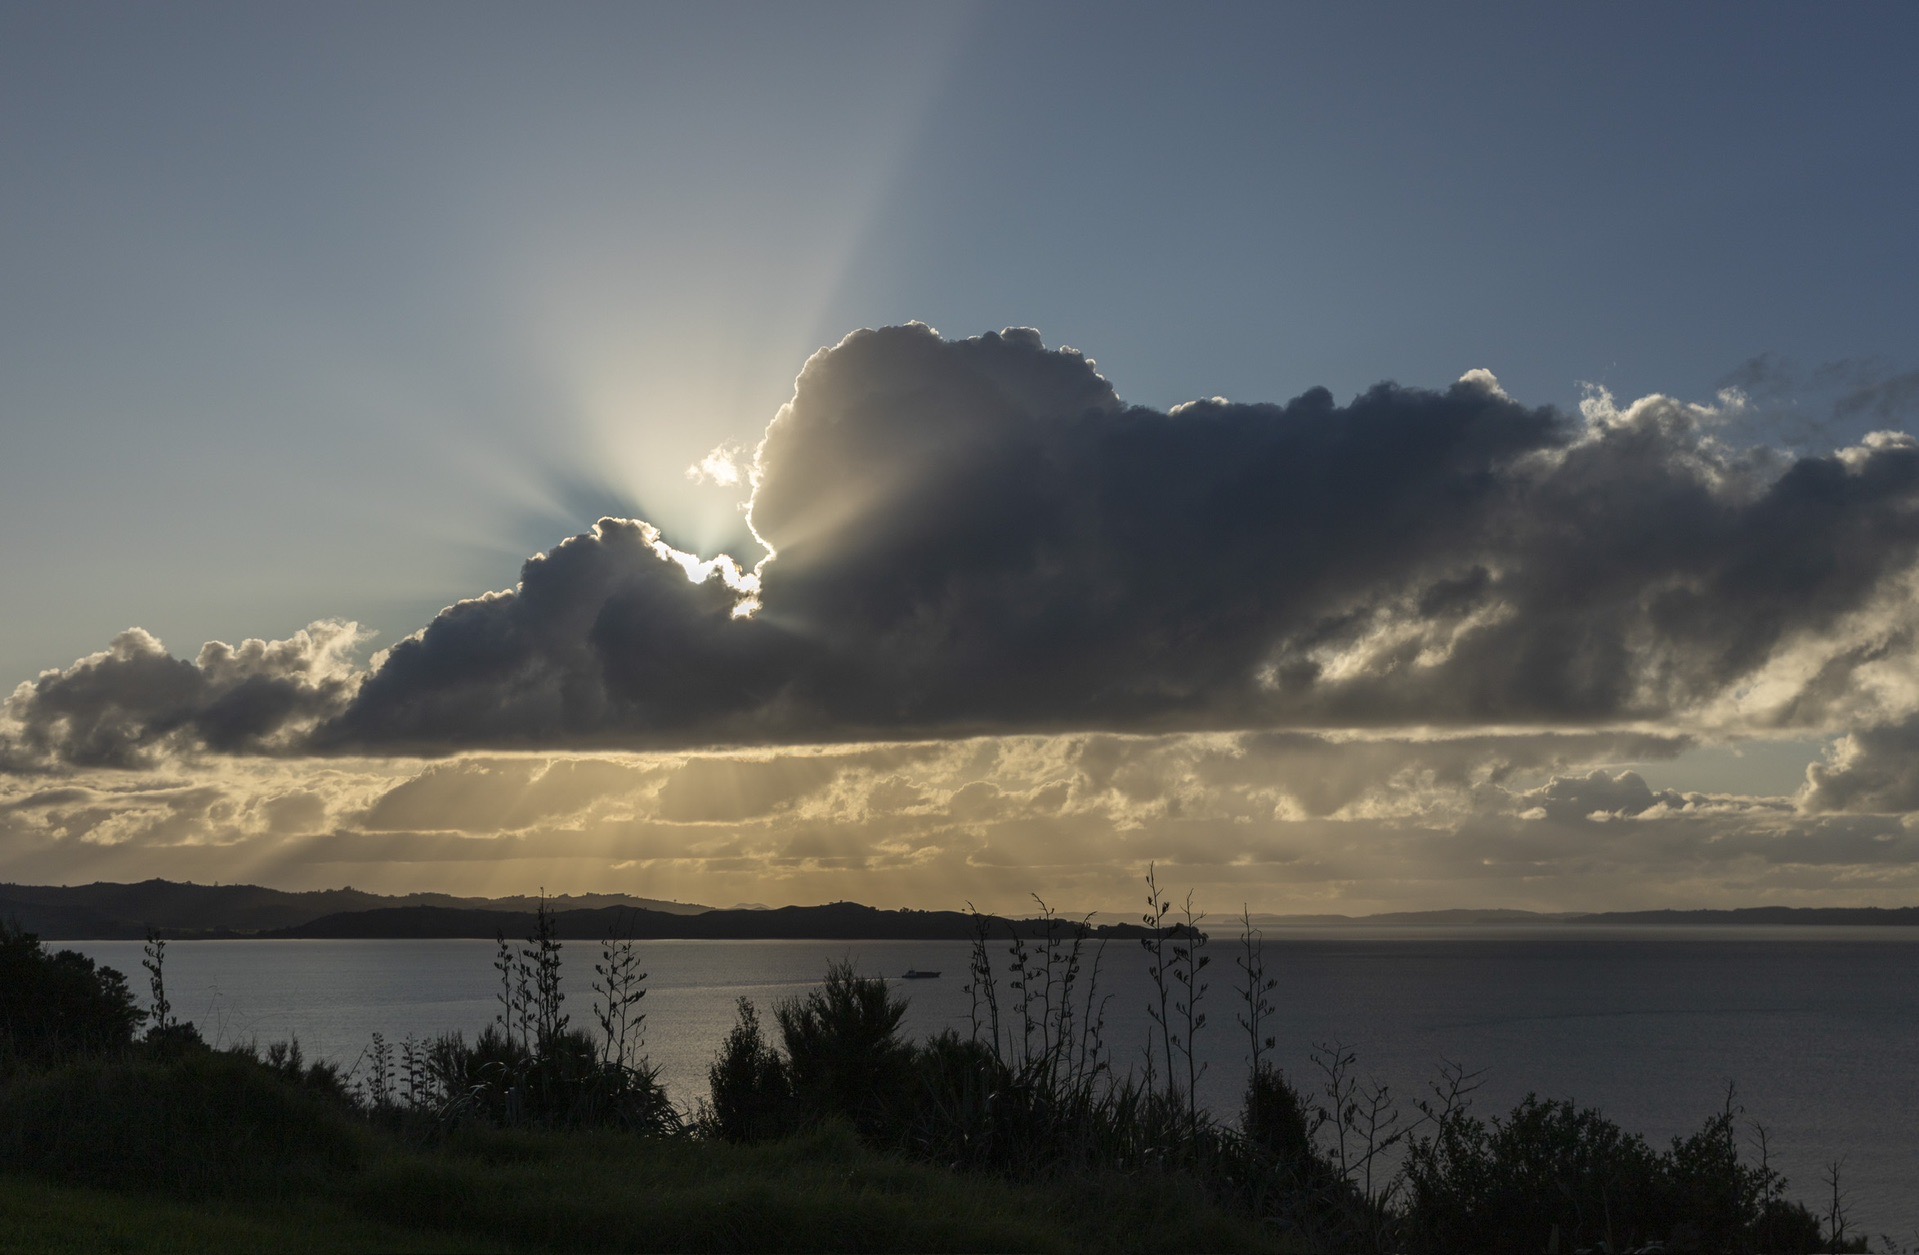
(823, 1130)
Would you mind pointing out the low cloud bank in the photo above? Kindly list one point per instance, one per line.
(1290, 821)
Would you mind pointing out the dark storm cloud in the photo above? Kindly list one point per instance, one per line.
(134, 702)
(978, 536)
(604, 640)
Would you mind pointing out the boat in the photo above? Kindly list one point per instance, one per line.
(913, 973)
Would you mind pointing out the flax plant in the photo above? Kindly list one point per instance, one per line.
(982, 990)
(618, 989)
(156, 964)
(543, 960)
(1189, 962)
(1256, 993)
(1154, 943)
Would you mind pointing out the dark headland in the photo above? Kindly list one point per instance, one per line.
(100, 912)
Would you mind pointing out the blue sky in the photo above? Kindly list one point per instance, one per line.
(343, 311)
(339, 294)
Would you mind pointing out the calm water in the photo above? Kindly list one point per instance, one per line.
(1819, 1027)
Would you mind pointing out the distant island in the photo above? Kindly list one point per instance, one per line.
(837, 921)
(110, 912)
(1747, 916)
(106, 912)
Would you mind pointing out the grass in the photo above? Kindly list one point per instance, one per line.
(43, 1218)
(818, 1191)
(490, 1190)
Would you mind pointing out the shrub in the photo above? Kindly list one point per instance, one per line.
(1277, 1122)
(481, 1079)
(751, 1094)
(289, 1062)
(564, 1080)
(843, 1052)
(530, 1067)
(1548, 1168)
(967, 1108)
(177, 1038)
(61, 1004)
(1550, 1172)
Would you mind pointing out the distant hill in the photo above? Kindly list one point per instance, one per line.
(100, 912)
(1764, 915)
(103, 912)
(839, 921)
(1454, 918)
(1751, 916)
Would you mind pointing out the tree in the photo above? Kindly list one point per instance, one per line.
(58, 1004)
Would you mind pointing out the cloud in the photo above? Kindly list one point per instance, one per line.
(492, 795)
(1873, 769)
(610, 638)
(978, 537)
(721, 467)
(1531, 820)
(133, 703)
(1832, 404)
(1599, 796)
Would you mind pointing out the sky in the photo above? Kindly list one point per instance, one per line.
(1354, 457)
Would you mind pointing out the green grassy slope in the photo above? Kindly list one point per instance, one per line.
(492, 1191)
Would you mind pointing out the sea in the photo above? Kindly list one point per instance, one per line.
(1813, 1030)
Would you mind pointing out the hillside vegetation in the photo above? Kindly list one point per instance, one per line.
(823, 1128)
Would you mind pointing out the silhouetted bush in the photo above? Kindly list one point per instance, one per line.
(177, 1038)
(289, 1062)
(964, 1105)
(844, 1056)
(54, 1005)
(529, 1067)
(1552, 1174)
(1030, 1091)
(480, 1079)
(751, 1094)
(562, 1081)
(1277, 1121)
